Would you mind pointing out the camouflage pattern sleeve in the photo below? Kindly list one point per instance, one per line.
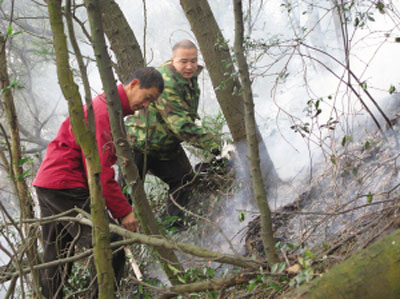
(180, 116)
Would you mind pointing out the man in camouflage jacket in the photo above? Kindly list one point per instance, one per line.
(171, 120)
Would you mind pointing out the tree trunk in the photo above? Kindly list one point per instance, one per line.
(142, 208)
(86, 139)
(217, 57)
(122, 40)
(82, 66)
(219, 64)
(251, 133)
(16, 170)
(372, 273)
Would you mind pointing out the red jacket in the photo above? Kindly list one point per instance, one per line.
(64, 166)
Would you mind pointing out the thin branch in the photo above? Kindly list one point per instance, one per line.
(144, 32)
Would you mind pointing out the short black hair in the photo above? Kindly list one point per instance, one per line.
(185, 44)
(148, 77)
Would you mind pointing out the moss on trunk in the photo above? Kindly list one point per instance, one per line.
(372, 273)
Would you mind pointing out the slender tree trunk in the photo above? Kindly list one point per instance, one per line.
(215, 51)
(129, 169)
(251, 133)
(122, 40)
(86, 139)
(82, 66)
(16, 167)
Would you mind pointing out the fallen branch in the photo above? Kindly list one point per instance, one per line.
(132, 237)
(208, 285)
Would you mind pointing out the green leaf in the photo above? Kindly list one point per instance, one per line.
(275, 285)
(309, 254)
(392, 89)
(5, 89)
(242, 216)
(23, 161)
(357, 22)
(284, 278)
(369, 197)
(344, 141)
(333, 160)
(381, 7)
(318, 112)
(364, 85)
(127, 189)
(175, 270)
(325, 245)
(25, 174)
(10, 30)
(181, 279)
(367, 145)
(274, 268)
(282, 267)
(252, 285)
(210, 272)
(278, 245)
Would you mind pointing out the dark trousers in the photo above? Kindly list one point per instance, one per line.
(176, 172)
(59, 238)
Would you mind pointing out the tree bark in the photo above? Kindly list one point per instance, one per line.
(142, 208)
(122, 40)
(251, 133)
(372, 273)
(15, 168)
(86, 139)
(219, 63)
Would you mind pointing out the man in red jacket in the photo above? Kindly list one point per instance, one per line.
(61, 182)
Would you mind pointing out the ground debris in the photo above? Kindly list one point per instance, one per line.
(350, 203)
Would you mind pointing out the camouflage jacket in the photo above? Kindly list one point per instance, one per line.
(171, 118)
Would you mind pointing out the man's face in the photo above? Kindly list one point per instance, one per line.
(185, 62)
(141, 97)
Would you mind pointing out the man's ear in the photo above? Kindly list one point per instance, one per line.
(134, 83)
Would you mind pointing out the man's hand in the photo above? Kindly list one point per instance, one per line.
(130, 222)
